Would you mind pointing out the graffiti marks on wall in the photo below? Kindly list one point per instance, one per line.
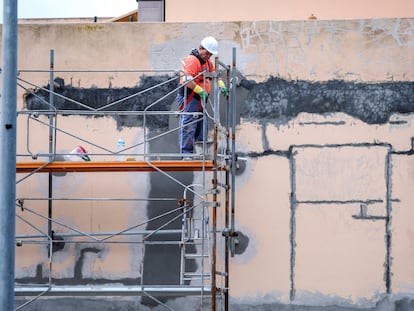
(301, 48)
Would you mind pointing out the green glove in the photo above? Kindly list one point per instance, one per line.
(204, 95)
(199, 90)
(223, 88)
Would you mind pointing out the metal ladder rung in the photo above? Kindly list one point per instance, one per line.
(189, 256)
(193, 241)
(192, 276)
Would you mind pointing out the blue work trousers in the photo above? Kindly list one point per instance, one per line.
(191, 126)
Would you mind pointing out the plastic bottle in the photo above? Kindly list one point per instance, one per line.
(120, 147)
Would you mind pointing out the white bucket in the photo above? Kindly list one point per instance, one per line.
(208, 149)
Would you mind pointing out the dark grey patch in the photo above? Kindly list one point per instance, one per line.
(193, 303)
(282, 307)
(398, 122)
(265, 141)
(280, 153)
(273, 101)
(292, 224)
(8, 126)
(323, 123)
(162, 262)
(77, 278)
(278, 100)
(247, 84)
(96, 98)
(241, 243)
(81, 304)
(58, 242)
(106, 304)
(79, 262)
(240, 165)
(404, 304)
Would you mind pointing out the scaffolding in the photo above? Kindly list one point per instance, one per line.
(205, 209)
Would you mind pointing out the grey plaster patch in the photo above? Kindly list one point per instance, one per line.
(323, 303)
(304, 297)
(277, 100)
(169, 55)
(77, 278)
(404, 304)
(243, 60)
(161, 263)
(274, 101)
(194, 304)
(241, 243)
(245, 246)
(111, 304)
(114, 99)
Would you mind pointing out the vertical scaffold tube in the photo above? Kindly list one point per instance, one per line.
(227, 207)
(214, 226)
(233, 149)
(388, 221)
(8, 154)
(51, 148)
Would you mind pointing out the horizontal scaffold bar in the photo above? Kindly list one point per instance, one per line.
(116, 166)
(103, 290)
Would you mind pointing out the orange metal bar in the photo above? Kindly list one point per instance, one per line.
(121, 166)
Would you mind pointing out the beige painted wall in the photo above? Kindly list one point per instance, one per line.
(338, 259)
(247, 10)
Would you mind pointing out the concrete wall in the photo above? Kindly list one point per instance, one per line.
(325, 127)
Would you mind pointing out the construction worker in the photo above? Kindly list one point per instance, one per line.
(197, 91)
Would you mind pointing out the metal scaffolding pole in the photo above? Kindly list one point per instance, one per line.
(8, 154)
(52, 142)
(215, 182)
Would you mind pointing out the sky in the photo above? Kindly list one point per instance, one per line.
(71, 8)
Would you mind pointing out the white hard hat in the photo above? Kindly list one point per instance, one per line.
(210, 44)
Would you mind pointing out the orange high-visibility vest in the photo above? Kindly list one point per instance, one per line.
(192, 67)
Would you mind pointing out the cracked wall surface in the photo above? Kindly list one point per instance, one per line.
(324, 136)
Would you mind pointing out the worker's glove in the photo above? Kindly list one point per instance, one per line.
(223, 88)
(199, 90)
(204, 95)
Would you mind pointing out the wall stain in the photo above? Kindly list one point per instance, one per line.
(114, 99)
(77, 278)
(278, 100)
(275, 101)
(161, 262)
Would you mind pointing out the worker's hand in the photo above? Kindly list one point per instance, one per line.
(203, 95)
(200, 91)
(223, 88)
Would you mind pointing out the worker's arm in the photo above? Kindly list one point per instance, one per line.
(191, 84)
(200, 91)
